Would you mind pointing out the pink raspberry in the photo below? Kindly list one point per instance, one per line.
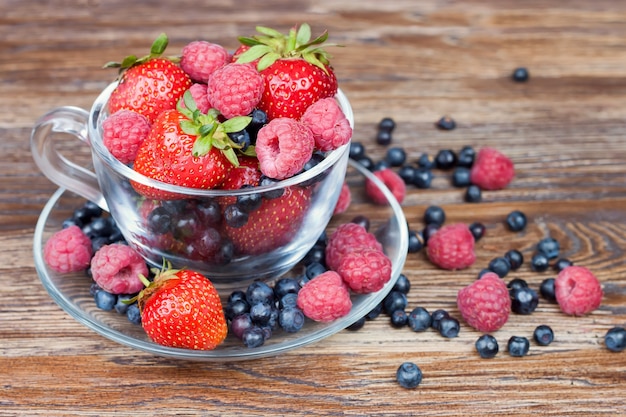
(345, 239)
(200, 59)
(345, 197)
(485, 304)
(392, 181)
(68, 250)
(235, 89)
(492, 170)
(123, 132)
(452, 247)
(283, 146)
(325, 297)
(331, 129)
(365, 270)
(116, 268)
(577, 290)
(200, 97)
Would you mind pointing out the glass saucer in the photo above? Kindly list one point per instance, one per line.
(71, 291)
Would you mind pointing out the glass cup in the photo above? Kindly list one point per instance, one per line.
(196, 235)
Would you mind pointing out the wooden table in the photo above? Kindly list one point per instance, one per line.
(565, 129)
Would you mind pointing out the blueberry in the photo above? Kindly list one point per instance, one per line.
(543, 335)
(366, 162)
(268, 182)
(234, 216)
(314, 269)
(416, 242)
(99, 227)
(259, 119)
(398, 318)
(484, 271)
(402, 285)
(437, 316)
(240, 324)
(253, 337)
(518, 346)
(516, 221)
(123, 302)
(260, 313)
(374, 312)
(133, 314)
(288, 300)
(285, 286)
(445, 159)
(235, 308)
(423, 178)
(473, 194)
(291, 319)
(236, 295)
(105, 300)
(446, 123)
(384, 137)
(520, 75)
(357, 150)
(461, 177)
(426, 161)
(387, 124)
(500, 266)
(561, 264)
(539, 262)
(549, 247)
(419, 319)
(259, 292)
(449, 327)
(515, 258)
(434, 215)
(380, 165)
(316, 254)
(357, 325)
(241, 138)
(393, 301)
(395, 156)
(409, 375)
(615, 339)
(546, 289)
(466, 156)
(478, 230)
(524, 300)
(487, 346)
(516, 283)
(248, 203)
(428, 231)
(407, 173)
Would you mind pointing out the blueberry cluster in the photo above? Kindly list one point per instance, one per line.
(487, 345)
(247, 137)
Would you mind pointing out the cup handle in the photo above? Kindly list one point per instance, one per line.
(53, 128)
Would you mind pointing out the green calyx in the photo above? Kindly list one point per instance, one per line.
(210, 132)
(270, 45)
(156, 51)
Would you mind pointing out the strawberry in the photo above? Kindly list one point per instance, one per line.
(149, 85)
(246, 174)
(295, 69)
(181, 308)
(187, 148)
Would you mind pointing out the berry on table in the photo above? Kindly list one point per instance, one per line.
(357, 150)
(419, 319)
(402, 284)
(487, 346)
(466, 156)
(384, 137)
(561, 264)
(395, 156)
(492, 170)
(398, 318)
(68, 250)
(357, 325)
(500, 266)
(117, 267)
(520, 75)
(524, 300)
(387, 124)
(445, 123)
(518, 346)
(478, 230)
(615, 339)
(539, 262)
(516, 221)
(577, 291)
(452, 247)
(549, 247)
(409, 375)
(546, 289)
(393, 301)
(325, 298)
(423, 178)
(473, 194)
(416, 242)
(426, 161)
(485, 304)
(445, 159)
(543, 335)
(407, 173)
(436, 318)
(461, 177)
(434, 215)
(449, 327)
(515, 258)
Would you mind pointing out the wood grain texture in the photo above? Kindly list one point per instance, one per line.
(416, 61)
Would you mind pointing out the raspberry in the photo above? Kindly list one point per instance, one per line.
(116, 268)
(283, 146)
(235, 89)
(345, 197)
(200, 59)
(346, 238)
(452, 247)
(123, 132)
(392, 180)
(68, 250)
(577, 290)
(200, 97)
(365, 271)
(331, 129)
(325, 297)
(492, 170)
(485, 304)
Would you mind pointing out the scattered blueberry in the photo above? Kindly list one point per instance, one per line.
(398, 318)
(428, 231)
(543, 335)
(466, 156)
(387, 124)
(395, 300)
(483, 272)
(380, 165)
(357, 150)
(539, 262)
(105, 300)
(416, 242)
(487, 346)
(520, 75)
(446, 123)
(478, 230)
(362, 220)
(384, 137)
(449, 327)
(445, 159)
(375, 312)
(366, 162)
(409, 375)
(423, 178)
(402, 284)
(434, 215)
(473, 194)
(516, 221)
(518, 346)
(500, 266)
(561, 264)
(419, 319)
(395, 156)
(461, 177)
(314, 269)
(436, 318)
(291, 319)
(549, 247)
(516, 283)
(357, 325)
(546, 289)
(253, 337)
(615, 339)
(515, 258)
(407, 173)
(426, 161)
(524, 300)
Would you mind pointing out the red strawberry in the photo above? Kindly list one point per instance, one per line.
(246, 174)
(273, 224)
(296, 70)
(182, 308)
(149, 85)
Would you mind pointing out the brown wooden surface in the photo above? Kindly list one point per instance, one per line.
(416, 61)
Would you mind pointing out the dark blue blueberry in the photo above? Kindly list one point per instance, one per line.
(357, 150)
(516, 221)
(516, 283)
(500, 266)
(428, 231)
(407, 173)
(288, 300)
(561, 264)
(515, 258)
(549, 247)
(357, 325)
(419, 319)
(518, 346)
(99, 227)
(487, 346)
(374, 312)
(539, 262)
(387, 124)
(248, 203)
(398, 318)
(416, 242)
(236, 295)
(133, 314)
(445, 159)
(449, 327)
(615, 339)
(272, 323)
(93, 289)
(461, 177)
(314, 269)
(426, 161)
(123, 302)
(434, 215)
(543, 335)
(546, 289)
(384, 137)
(366, 162)
(437, 316)
(284, 286)
(393, 301)
(239, 324)
(253, 337)
(409, 375)
(316, 254)
(208, 211)
(268, 182)
(524, 300)
(478, 230)
(105, 300)
(466, 156)
(235, 308)
(234, 216)
(473, 194)
(99, 242)
(380, 165)
(402, 284)
(446, 123)
(259, 292)
(484, 271)
(241, 138)
(423, 178)
(520, 75)
(395, 156)
(259, 119)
